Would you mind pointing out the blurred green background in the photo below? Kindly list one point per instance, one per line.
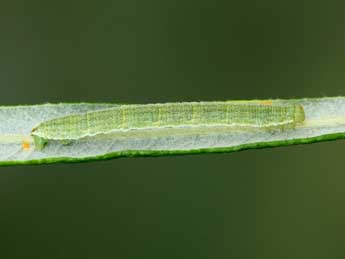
(272, 203)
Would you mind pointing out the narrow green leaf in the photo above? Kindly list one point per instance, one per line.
(324, 120)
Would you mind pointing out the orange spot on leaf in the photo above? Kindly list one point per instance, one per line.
(25, 145)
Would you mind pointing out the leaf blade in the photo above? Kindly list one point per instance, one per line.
(325, 120)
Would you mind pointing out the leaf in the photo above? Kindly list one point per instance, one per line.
(325, 120)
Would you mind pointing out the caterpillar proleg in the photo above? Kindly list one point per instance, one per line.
(233, 114)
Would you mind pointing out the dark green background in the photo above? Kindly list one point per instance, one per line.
(272, 203)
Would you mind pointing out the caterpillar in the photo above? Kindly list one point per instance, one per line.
(233, 114)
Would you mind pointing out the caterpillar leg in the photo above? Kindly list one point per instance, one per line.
(66, 142)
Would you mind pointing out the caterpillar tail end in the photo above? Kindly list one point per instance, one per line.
(39, 142)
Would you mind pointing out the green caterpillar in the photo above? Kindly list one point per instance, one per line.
(240, 114)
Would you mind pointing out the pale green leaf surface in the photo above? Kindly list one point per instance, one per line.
(325, 119)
